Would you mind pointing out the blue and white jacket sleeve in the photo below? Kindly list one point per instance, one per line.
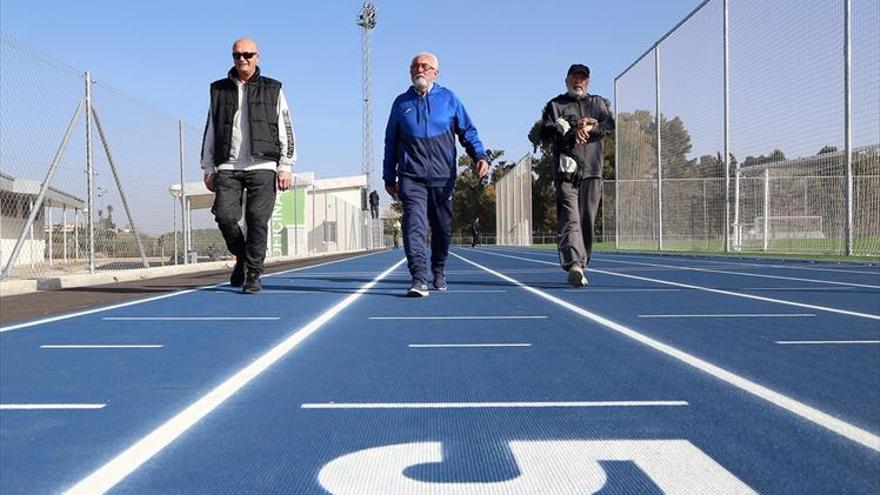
(467, 133)
(389, 164)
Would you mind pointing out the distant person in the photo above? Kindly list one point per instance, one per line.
(395, 231)
(475, 233)
(574, 123)
(248, 146)
(374, 204)
(420, 166)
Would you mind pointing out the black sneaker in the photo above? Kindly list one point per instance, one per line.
(237, 277)
(418, 288)
(576, 276)
(440, 282)
(253, 285)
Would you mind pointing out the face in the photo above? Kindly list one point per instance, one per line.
(423, 72)
(577, 84)
(241, 50)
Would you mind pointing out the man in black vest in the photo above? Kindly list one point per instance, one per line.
(248, 145)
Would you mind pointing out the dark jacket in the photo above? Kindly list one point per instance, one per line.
(262, 98)
(420, 136)
(590, 155)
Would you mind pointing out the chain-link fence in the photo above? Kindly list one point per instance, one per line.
(90, 180)
(786, 98)
(513, 205)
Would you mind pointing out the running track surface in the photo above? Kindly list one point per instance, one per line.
(664, 375)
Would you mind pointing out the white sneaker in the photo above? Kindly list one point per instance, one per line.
(576, 277)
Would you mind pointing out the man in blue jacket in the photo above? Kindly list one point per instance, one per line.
(420, 167)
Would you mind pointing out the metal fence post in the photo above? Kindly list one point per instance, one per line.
(659, 145)
(76, 234)
(766, 209)
(182, 192)
(726, 64)
(174, 222)
(64, 231)
(295, 195)
(48, 223)
(847, 76)
(90, 173)
(616, 171)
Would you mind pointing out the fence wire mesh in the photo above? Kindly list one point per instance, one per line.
(787, 113)
(135, 215)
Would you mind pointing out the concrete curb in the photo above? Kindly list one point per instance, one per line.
(18, 287)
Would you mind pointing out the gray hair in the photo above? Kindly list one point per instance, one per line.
(433, 58)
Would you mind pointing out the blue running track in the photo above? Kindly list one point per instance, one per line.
(664, 375)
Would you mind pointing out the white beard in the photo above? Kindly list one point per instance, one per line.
(577, 93)
(420, 83)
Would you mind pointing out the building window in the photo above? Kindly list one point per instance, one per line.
(329, 231)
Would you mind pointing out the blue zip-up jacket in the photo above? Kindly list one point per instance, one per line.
(420, 136)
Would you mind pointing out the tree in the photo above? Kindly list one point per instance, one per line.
(475, 197)
(775, 156)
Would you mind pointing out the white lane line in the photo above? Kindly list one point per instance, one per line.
(816, 416)
(458, 317)
(476, 291)
(599, 289)
(34, 323)
(191, 318)
(823, 289)
(48, 407)
(744, 315)
(825, 342)
(295, 291)
(743, 274)
(614, 259)
(101, 346)
(111, 473)
(761, 265)
(709, 289)
(493, 405)
(470, 345)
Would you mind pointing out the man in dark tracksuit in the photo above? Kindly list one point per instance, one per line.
(420, 166)
(475, 232)
(575, 123)
(248, 145)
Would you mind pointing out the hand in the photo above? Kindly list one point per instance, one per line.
(583, 135)
(209, 180)
(284, 179)
(587, 121)
(391, 190)
(482, 168)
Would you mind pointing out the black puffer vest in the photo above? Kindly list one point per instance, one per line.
(262, 101)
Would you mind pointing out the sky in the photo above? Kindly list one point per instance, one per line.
(153, 63)
(504, 59)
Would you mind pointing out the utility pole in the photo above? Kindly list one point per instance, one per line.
(367, 21)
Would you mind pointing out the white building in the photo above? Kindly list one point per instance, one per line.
(314, 216)
(17, 197)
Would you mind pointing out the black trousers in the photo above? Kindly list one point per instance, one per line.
(576, 206)
(229, 188)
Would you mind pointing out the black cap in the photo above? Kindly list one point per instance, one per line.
(579, 69)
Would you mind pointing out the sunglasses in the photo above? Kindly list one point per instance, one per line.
(246, 55)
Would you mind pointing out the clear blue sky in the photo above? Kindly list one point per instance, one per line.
(504, 59)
